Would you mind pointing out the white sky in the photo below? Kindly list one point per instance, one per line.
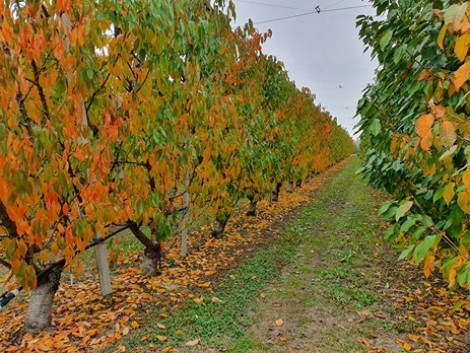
(320, 51)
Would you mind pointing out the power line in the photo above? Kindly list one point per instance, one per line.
(310, 13)
(336, 3)
(272, 5)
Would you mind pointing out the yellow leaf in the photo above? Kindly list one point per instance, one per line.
(125, 331)
(442, 34)
(279, 323)
(161, 338)
(448, 193)
(463, 201)
(466, 179)
(447, 133)
(461, 46)
(168, 349)
(461, 75)
(134, 324)
(161, 326)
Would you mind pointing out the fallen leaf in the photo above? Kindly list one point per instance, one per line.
(193, 343)
(283, 339)
(279, 323)
(161, 338)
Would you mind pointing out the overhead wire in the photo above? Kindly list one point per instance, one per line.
(272, 5)
(310, 13)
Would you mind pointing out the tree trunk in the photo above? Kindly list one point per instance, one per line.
(252, 208)
(299, 183)
(39, 316)
(152, 253)
(275, 192)
(219, 227)
(290, 187)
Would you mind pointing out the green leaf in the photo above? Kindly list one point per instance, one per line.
(386, 39)
(375, 127)
(423, 247)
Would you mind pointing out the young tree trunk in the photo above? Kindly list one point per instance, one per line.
(252, 208)
(299, 183)
(219, 226)
(290, 187)
(39, 316)
(275, 192)
(152, 253)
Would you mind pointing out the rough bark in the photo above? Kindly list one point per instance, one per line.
(290, 187)
(152, 256)
(275, 192)
(219, 226)
(252, 207)
(6, 222)
(39, 316)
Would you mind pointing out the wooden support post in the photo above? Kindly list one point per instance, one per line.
(184, 229)
(101, 257)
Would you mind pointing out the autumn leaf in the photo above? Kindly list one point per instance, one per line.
(193, 343)
(442, 33)
(449, 192)
(403, 209)
(461, 75)
(447, 133)
(466, 179)
(461, 46)
(423, 124)
(161, 338)
(279, 322)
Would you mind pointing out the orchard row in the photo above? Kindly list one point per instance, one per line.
(416, 130)
(145, 114)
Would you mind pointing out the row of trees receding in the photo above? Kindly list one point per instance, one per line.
(415, 129)
(139, 113)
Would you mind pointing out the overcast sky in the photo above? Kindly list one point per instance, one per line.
(320, 51)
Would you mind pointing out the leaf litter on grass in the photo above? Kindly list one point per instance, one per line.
(85, 321)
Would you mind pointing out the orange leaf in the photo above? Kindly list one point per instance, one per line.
(428, 264)
(78, 269)
(426, 142)
(424, 124)
(65, 209)
(461, 75)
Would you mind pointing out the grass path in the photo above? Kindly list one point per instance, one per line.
(327, 298)
(313, 288)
